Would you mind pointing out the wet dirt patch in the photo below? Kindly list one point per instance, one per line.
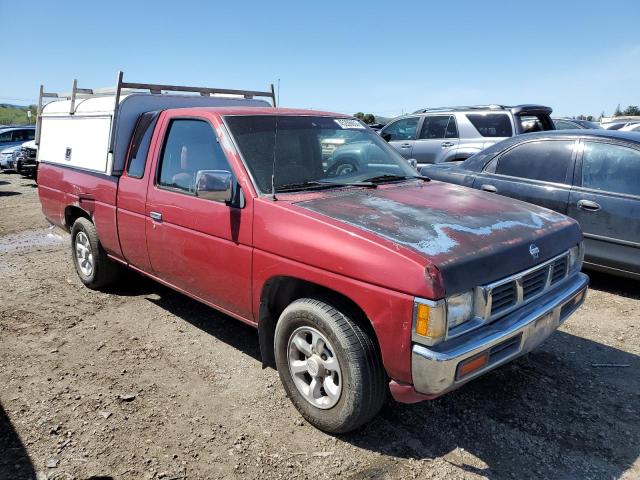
(30, 239)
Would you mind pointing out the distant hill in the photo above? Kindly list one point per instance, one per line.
(16, 114)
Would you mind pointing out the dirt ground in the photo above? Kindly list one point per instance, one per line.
(142, 382)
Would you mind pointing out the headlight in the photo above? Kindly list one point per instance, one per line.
(429, 321)
(432, 320)
(459, 308)
(576, 256)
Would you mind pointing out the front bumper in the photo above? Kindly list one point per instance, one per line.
(435, 369)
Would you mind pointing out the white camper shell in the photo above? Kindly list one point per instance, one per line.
(91, 129)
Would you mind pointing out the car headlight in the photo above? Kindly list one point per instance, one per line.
(459, 308)
(432, 320)
(429, 321)
(576, 256)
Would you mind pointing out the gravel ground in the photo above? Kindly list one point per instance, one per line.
(142, 382)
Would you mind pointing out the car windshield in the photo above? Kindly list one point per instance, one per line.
(307, 152)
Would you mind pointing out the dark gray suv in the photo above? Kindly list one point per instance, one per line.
(437, 135)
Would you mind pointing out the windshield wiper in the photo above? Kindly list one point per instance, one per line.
(290, 187)
(389, 177)
(364, 183)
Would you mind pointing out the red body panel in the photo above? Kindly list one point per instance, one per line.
(390, 312)
(60, 187)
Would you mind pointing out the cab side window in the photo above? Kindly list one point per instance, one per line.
(611, 168)
(547, 161)
(140, 144)
(404, 129)
(190, 146)
(437, 127)
(564, 125)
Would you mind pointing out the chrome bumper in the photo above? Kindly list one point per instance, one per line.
(434, 369)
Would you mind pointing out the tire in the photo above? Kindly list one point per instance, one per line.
(344, 166)
(86, 252)
(360, 375)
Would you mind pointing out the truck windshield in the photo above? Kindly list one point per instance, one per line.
(310, 152)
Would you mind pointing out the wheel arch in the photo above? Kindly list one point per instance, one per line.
(72, 213)
(279, 291)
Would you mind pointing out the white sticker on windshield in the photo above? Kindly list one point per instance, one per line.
(348, 123)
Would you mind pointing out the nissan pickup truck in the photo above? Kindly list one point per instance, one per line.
(360, 282)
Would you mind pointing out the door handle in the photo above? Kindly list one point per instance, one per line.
(405, 145)
(489, 188)
(588, 205)
(156, 216)
(447, 144)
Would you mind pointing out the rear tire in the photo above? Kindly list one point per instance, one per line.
(350, 382)
(92, 264)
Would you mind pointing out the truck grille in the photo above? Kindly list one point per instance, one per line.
(507, 294)
(30, 153)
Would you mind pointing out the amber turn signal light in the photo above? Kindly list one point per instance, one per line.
(472, 365)
(422, 319)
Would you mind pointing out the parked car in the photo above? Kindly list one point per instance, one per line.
(574, 123)
(618, 125)
(437, 135)
(633, 127)
(26, 160)
(12, 136)
(360, 283)
(592, 176)
(8, 158)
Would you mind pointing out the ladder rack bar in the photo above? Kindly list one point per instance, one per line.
(202, 90)
(73, 96)
(38, 114)
(116, 107)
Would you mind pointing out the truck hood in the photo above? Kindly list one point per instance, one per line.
(472, 237)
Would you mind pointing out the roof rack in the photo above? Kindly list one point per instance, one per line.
(462, 108)
(129, 87)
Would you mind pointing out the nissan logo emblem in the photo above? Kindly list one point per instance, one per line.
(534, 250)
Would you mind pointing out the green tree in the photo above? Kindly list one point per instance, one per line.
(631, 110)
(369, 118)
(618, 112)
(359, 115)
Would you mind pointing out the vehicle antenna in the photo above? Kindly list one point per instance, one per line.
(273, 167)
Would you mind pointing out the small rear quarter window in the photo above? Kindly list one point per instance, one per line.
(491, 124)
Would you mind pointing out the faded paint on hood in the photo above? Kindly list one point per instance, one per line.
(472, 237)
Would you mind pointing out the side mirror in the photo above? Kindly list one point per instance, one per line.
(216, 185)
(386, 136)
(413, 163)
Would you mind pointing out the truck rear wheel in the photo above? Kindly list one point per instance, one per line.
(92, 264)
(329, 366)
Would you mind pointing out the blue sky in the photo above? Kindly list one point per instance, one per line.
(383, 57)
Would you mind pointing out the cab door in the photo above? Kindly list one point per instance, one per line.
(438, 139)
(606, 203)
(401, 135)
(538, 172)
(198, 245)
(132, 194)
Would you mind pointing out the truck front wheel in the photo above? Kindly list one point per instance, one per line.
(329, 366)
(92, 264)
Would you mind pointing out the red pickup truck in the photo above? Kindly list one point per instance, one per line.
(361, 276)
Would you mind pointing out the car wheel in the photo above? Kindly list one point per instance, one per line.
(329, 366)
(92, 264)
(344, 166)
